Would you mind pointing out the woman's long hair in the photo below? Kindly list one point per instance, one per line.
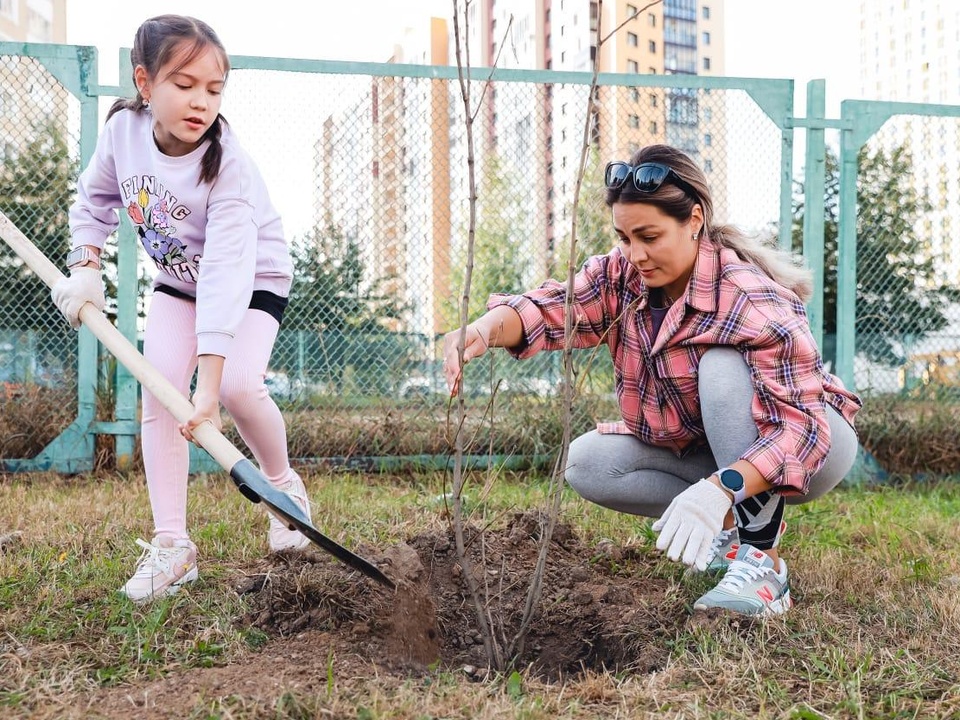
(783, 267)
(157, 41)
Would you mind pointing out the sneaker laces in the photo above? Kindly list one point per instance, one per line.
(739, 573)
(719, 540)
(295, 493)
(154, 558)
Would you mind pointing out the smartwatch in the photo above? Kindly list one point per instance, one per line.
(80, 256)
(732, 481)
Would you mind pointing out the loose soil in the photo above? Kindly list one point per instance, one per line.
(602, 608)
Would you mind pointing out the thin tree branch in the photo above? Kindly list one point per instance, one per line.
(491, 648)
(496, 63)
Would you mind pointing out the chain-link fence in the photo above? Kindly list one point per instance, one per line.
(39, 134)
(369, 168)
(908, 305)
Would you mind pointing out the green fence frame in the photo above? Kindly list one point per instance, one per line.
(75, 67)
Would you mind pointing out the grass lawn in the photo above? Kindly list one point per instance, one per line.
(875, 632)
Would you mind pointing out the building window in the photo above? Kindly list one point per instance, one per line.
(706, 38)
(9, 105)
(708, 165)
(652, 45)
(632, 66)
(706, 12)
(653, 127)
(635, 94)
(706, 63)
(631, 10)
(653, 20)
(653, 100)
(632, 39)
(634, 121)
(708, 140)
(652, 70)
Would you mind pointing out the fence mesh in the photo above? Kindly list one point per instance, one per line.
(39, 135)
(371, 176)
(908, 309)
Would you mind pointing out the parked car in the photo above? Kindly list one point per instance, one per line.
(281, 387)
(419, 386)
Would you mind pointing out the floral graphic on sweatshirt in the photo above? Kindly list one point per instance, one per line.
(159, 237)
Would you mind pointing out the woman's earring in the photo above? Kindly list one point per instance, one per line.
(696, 235)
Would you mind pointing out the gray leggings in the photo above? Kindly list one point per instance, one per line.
(625, 474)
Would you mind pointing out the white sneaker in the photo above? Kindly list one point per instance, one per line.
(163, 567)
(281, 536)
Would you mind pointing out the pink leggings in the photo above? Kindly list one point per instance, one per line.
(170, 345)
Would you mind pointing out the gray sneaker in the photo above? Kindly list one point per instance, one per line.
(750, 586)
(724, 550)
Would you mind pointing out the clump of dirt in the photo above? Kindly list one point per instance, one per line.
(601, 608)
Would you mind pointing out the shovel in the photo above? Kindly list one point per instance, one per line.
(245, 475)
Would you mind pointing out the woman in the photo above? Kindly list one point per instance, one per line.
(725, 406)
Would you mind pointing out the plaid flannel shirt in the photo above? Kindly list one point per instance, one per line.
(728, 302)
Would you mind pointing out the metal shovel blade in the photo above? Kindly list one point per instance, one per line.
(255, 488)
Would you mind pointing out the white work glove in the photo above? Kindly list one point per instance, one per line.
(84, 285)
(691, 522)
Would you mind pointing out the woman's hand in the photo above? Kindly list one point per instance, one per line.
(691, 522)
(206, 407)
(476, 344)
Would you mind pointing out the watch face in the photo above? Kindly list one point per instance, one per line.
(731, 479)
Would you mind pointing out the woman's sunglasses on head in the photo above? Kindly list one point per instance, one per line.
(647, 177)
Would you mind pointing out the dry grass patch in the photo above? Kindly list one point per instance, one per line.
(875, 574)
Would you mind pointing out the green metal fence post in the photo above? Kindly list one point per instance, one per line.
(863, 119)
(75, 68)
(815, 170)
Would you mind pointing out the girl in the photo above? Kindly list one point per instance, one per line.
(169, 160)
(726, 407)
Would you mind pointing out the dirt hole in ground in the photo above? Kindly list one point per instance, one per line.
(602, 608)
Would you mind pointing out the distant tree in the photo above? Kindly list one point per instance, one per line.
(595, 235)
(340, 319)
(502, 247)
(37, 185)
(502, 229)
(898, 296)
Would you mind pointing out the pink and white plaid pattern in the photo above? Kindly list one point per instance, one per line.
(728, 302)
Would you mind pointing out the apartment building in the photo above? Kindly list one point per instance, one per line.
(382, 168)
(675, 37)
(527, 134)
(910, 52)
(33, 20)
(28, 95)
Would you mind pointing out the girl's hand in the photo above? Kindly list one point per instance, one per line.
(206, 407)
(475, 345)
